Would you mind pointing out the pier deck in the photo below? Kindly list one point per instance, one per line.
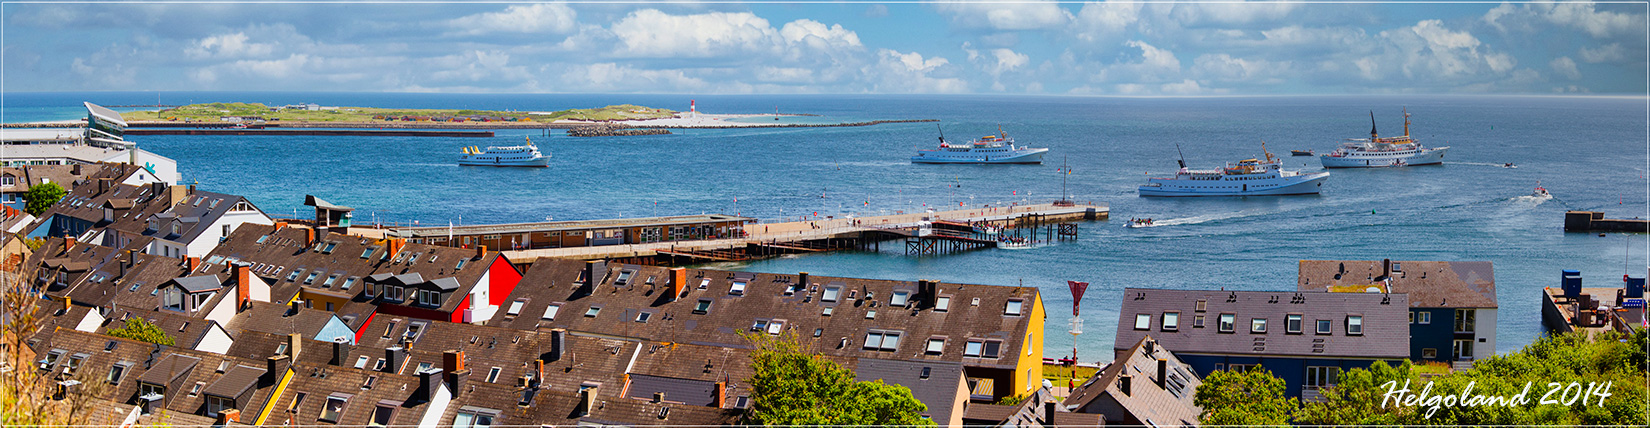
(1607, 311)
(793, 236)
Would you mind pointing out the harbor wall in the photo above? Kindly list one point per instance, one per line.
(1593, 221)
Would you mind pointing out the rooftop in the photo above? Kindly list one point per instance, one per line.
(1428, 283)
(1292, 323)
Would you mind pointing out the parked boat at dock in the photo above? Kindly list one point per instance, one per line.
(1383, 152)
(1307, 152)
(990, 149)
(1249, 177)
(526, 155)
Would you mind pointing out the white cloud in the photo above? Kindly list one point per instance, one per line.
(235, 45)
(817, 35)
(1607, 53)
(1105, 22)
(1581, 16)
(1229, 14)
(552, 18)
(655, 34)
(1025, 15)
(898, 72)
(609, 76)
(1566, 67)
(1223, 67)
(1154, 65)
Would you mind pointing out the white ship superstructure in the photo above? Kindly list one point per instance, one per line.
(988, 149)
(1383, 152)
(1249, 177)
(527, 155)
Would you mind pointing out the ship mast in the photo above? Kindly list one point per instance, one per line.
(1372, 134)
(1406, 121)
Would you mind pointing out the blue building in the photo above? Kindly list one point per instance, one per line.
(1452, 305)
(1305, 338)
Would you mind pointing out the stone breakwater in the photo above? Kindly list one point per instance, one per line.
(613, 130)
(785, 125)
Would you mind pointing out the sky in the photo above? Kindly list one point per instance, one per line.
(1157, 48)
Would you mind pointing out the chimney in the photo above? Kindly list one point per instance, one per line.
(278, 226)
(929, 290)
(481, 252)
(292, 307)
(340, 351)
(1386, 268)
(587, 401)
(1049, 407)
(558, 343)
(243, 286)
(102, 185)
(179, 194)
(274, 367)
(131, 258)
(228, 416)
(721, 395)
(427, 382)
(538, 371)
(149, 404)
(309, 237)
(191, 188)
(453, 362)
(75, 169)
(592, 268)
(1162, 372)
(67, 302)
(294, 343)
(68, 243)
(1123, 383)
(193, 262)
(393, 357)
(678, 283)
(395, 245)
(802, 280)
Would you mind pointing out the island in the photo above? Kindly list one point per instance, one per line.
(623, 119)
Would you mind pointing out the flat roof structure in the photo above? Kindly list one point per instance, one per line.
(39, 135)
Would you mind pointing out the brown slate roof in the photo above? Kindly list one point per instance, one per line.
(1170, 404)
(1385, 329)
(590, 359)
(1428, 283)
(279, 319)
(546, 284)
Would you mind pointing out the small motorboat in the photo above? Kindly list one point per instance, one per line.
(1302, 153)
(1540, 192)
(1013, 242)
(1138, 222)
(1509, 165)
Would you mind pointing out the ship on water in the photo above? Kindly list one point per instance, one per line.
(1249, 177)
(524, 155)
(990, 149)
(1383, 152)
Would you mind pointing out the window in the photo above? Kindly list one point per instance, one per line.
(1257, 325)
(1228, 323)
(1354, 324)
(381, 414)
(1321, 376)
(294, 275)
(1013, 307)
(827, 311)
(942, 304)
(1429, 353)
(831, 293)
(644, 316)
(429, 298)
(361, 362)
(935, 346)
(173, 299)
(116, 372)
(550, 312)
(329, 247)
(1197, 321)
(422, 367)
(196, 390)
(1143, 321)
(759, 325)
(330, 279)
(870, 315)
(1465, 320)
(882, 341)
(738, 288)
(591, 313)
(1242, 367)
(982, 348)
(460, 264)
(1292, 324)
(347, 283)
(261, 239)
(280, 349)
(1423, 317)
(703, 307)
(900, 298)
(1171, 321)
(333, 408)
(1202, 305)
(147, 389)
(216, 405)
(1462, 349)
(776, 326)
(515, 308)
(704, 283)
(492, 375)
(379, 366)
(473, 419)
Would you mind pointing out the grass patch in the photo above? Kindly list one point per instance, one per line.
(214, 112)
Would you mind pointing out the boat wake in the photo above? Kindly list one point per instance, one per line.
(1497, 165)
(1530, 199)
(1200, 219)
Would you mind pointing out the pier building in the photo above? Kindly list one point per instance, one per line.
(101, 139)
(1452, 305)
(579, 233)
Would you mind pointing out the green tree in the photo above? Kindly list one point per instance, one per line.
(790, 387)
(1250, 397)
(1357, 399)
(138, 329)
(41, 197)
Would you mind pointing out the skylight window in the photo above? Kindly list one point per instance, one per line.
(1013, 307)
(738, 288)
(901, 297)
(550, 312)
(515, 308)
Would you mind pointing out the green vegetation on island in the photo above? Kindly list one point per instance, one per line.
(236, 112)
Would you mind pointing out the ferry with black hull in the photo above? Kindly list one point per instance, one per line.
(1377, 152)
(526, 155)
(990, 149)
(1249, 177)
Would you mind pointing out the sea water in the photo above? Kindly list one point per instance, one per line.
(1590, 152)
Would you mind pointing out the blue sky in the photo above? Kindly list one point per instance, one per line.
(1036, 47)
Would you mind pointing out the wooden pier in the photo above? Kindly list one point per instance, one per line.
(924, 234)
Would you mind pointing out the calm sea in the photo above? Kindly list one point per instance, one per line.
(1590, 152)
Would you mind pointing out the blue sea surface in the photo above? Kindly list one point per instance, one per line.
(1591, 152)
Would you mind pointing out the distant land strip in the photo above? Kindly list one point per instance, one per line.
(789, 125)
(453, 125)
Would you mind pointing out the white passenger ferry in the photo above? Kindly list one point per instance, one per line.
(1383, 152)
(1250, 177)
(527, 155)
(988, 149)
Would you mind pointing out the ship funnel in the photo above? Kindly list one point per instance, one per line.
(1372, 126)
